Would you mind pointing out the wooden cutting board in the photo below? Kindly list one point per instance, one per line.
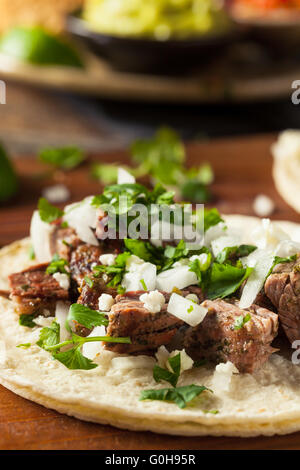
(243, 169)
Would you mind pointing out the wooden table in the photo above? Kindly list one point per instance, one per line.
(243, 170)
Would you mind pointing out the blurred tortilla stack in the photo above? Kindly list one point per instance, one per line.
(48, 13)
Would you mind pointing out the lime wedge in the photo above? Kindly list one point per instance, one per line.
(36, 46)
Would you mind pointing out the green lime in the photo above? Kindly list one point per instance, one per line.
(37, 46)
(8, 178)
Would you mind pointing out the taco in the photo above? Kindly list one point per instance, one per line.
(286, 167)
(154, 333)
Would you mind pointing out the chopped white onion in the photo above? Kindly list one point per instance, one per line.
(61, 313)
(193, 298)
(186, 362)
(82, 216)
(262, 261)
(179, 277)
(214, 232)
(223, 242)
(90, 350)
(162, 355)
(222, 377)
(287, 248)
(43, 321)
(132, 362)
(139, 271)
(125, 177)
(40, 233)
(267, 235)
(186, 310)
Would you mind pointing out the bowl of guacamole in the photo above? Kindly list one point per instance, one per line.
(154, 35)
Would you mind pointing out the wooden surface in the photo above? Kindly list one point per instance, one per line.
(243, 170)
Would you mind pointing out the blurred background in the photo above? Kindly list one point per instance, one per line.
(100, 73)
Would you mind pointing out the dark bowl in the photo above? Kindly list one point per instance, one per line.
(142, 55)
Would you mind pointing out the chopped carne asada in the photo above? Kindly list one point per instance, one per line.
(90, 293)
(83, 259)
(283, 289)
(147, 331)
(63, 241)
(218, 339)
(34, 291)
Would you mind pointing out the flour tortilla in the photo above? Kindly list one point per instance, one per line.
(265, 403)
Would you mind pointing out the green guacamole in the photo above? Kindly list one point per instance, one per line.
(159, 19)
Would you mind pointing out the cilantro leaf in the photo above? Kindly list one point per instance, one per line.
(64, 157)
(86, 316)
(163, 374)
(57, 265)
(116, 271)
(49, 335)
(144, 250)
(73, 359)
(107, 174)
(279, 260)
(224, 279)
(211, 217)
(180, 395)
(241, 321)
(27, 320)
(48, 213)
(194, 191)
(234, 252)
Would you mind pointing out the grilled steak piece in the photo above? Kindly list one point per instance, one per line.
(63, 241)
(33, 291)
(83, 259)
(217, 340)
(147, 330)
(283, 289)
(90, 295)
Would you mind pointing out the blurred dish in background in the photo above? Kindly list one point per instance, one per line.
(160, 20)
(165, 36)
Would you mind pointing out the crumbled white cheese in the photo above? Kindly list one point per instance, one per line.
(106, 301)
(153, 301)
(193, 298)
(56, 194)
(43, 321)
(263, 205)
(63, 280)
(222, 377)
(107, 260)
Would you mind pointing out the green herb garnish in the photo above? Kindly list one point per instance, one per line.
(66, 158)
(48, 212)
(27, 320)
(57, 265)
(180, 395)
(241, 321)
